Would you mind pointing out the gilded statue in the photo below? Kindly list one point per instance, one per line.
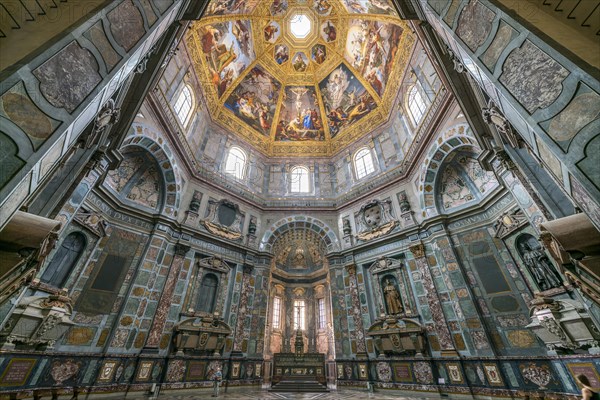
(392, 298)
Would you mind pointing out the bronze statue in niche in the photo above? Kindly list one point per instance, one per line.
(392, 298)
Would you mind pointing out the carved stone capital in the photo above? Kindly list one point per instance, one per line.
(418, 250)
(181, 249)
(351, 268)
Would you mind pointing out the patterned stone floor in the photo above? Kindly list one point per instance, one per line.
(264, 395)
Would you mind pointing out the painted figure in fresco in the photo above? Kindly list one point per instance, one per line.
(322, 7)
(281, 54)
(270, 31)
(540, 267)
(319, 54)
(330, 32)
(392, 298)
(299, 63)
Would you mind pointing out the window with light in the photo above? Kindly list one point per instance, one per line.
(299, 318)
(416, 104)
(322, 320)
(363, 163)
(276, 312)
(236, 162)
(300, 181)
(183, 105)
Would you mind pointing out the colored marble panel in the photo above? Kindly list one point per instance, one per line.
(81, 336)
(18, 107)
(150, 15)
(475, 24)
(126, 24)
(10, 163)
(503, 37)
(532, 77)
(582, 110)
(97, 36)
(196, 371)
(490, 275)
(403, 372)
(68, 77)
(17, 371)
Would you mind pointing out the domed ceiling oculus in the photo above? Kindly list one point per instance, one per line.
(302, 77)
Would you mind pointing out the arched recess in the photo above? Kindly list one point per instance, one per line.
(148, 138)
(138, 179)
(455, 138)
(299, 222)
(461, 181)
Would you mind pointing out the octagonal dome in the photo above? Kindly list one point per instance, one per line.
(300, 77)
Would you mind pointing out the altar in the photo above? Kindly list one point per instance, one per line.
(292, 365)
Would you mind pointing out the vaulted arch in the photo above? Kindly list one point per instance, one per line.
(299, 222)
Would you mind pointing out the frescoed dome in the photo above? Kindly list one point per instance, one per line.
(300, 77)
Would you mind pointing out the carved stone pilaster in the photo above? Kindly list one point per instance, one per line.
(358, 335)
(155, 336)
(433, 300)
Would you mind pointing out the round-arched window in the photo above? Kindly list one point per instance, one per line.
(300, 180)
(183, 105)
(236, 162)
(416, 104)
(363, 163)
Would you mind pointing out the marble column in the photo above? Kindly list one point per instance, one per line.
(164, 304)
(433, 300)
(358, 335)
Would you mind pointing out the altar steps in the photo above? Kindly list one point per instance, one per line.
(299, 384)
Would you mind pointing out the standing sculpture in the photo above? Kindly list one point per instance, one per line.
(392, 298)
(540, 267)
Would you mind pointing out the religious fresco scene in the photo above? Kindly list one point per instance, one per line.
(371, 47)
(299, 198)
(300, 116)
(254, 99)
(229, 50)
(345, 99)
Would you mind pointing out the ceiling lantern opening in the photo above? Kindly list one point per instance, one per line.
(300, 26)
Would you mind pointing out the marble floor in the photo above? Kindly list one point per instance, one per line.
(265, 395)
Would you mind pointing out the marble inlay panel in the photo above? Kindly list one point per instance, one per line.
(126, 24)
(533, 77)
(97, 36)
(503, 37)
(17, 106)
(164, 306)
(68, 77)
(475, 24)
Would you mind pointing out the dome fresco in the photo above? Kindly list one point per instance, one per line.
(302, 77)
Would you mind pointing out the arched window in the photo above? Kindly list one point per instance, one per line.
(207, 294)
(416, 104)
(236, 162)
(300, 181)
(276, 312)
(183, 105)
(363, 163)
(299, 316)
(65, 259)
